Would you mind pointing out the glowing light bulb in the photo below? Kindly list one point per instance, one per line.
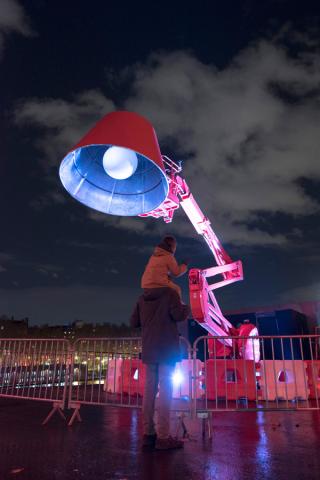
(120, 163)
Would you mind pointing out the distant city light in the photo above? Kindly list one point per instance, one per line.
(120, 163)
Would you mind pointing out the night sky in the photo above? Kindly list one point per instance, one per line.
(232, 89)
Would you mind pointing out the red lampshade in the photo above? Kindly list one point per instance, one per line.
(85, 176)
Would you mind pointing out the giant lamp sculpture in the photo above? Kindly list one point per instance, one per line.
(118, 169)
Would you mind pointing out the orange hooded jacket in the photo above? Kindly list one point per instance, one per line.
(161, 264)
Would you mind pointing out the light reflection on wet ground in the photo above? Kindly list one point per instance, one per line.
(106, 445)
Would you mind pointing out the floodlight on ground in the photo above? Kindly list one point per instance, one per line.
(177, 378)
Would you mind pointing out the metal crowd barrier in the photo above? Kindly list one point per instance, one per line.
(109, 371)
(35, 369)
(256, 373)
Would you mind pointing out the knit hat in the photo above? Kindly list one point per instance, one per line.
(168, 243)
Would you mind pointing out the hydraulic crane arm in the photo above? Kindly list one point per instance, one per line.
(205, 308)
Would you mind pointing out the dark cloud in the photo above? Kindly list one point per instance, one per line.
(246, 146)
(65, 122)
(234, 94)
(13, 19)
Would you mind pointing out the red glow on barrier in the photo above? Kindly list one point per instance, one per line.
(230, 379)
(313, 374)
(132, 377)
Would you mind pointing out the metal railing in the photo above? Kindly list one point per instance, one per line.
(109, 371)
(106, 371)
(35, 369)
(280, 373)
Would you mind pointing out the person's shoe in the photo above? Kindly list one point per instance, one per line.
(169, 443)
(148, 441)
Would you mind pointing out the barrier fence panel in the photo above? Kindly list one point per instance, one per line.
(245, 373)
(109, 371)
(34, 369)
(256, 373)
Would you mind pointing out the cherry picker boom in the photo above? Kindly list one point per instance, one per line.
(204, 305)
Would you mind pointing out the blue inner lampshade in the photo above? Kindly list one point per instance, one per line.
(83, 176)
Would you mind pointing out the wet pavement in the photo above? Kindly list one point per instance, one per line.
(106, 445)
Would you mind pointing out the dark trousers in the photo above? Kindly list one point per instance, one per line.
(157, 375)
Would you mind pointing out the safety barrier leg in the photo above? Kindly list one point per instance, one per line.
(56, 407)
(206, 424)
(60, 406)
(75, 414)
(209, 426)
(72, 405)
(182, 426)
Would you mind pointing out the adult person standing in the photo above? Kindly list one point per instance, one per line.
(157, 312)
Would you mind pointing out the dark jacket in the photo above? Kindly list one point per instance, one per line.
(157, 312)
